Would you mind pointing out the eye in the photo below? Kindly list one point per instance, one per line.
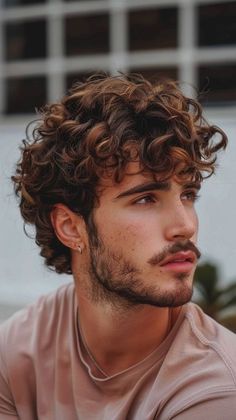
(191, 196)
(147, 199)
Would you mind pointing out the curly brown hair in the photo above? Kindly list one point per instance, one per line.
(96, 129)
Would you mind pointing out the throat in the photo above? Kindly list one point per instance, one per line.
(106, 356)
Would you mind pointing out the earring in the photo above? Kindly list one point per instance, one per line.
(79, 249)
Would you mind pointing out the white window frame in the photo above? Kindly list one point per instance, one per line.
(186, 57)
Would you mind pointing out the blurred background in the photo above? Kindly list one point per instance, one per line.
(46, 45)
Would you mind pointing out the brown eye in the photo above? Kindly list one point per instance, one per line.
(190, 196)
(147, 199)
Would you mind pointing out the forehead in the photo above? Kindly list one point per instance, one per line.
(136, 175)
(133, 172)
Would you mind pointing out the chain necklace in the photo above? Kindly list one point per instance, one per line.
(92, 359)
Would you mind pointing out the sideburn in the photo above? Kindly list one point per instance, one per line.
(92, 231)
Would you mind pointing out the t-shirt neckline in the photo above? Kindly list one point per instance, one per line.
(140, 366)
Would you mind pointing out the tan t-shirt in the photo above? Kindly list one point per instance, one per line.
(190, 376)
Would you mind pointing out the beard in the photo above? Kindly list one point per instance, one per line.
(118, 281)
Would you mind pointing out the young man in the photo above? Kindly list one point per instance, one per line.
(110, 180)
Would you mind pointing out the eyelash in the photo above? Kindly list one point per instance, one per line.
(148, 196)
(193, 196)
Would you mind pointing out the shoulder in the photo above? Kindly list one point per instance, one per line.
(201, 363)
(208, 347)
(28, 345)
(212, 336)
(37, 323)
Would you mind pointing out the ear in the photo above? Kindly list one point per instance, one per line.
(68, 226)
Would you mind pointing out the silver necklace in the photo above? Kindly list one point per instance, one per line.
(93, 360)
(90, 354)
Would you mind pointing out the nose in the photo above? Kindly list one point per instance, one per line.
(181, 223)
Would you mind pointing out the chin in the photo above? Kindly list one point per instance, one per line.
(176, 294)
(171, 300)
(161, 297)
(180, 294)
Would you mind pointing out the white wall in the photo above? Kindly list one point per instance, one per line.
(22, 274)
(217, 209)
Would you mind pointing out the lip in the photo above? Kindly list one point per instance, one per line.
(181, 262)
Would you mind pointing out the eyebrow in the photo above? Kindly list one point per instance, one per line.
(195, 185)
(150, 186)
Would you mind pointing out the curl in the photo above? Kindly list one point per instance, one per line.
(98, 128)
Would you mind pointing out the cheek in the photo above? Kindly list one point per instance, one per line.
(130, 233)
(121, 232)
(196, 222)
(135, 239)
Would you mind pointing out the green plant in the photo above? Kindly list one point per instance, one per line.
(216, 301)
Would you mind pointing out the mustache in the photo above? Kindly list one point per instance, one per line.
(186, 245)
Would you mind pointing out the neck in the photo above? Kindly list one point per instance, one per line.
(117, 340)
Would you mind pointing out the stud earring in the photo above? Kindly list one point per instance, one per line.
(79, 249)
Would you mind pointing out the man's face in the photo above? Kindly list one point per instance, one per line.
(147, 233)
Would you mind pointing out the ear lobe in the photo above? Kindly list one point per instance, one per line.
(67, 225)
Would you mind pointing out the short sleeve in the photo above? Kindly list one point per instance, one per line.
(7, 406)
(221, 407)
